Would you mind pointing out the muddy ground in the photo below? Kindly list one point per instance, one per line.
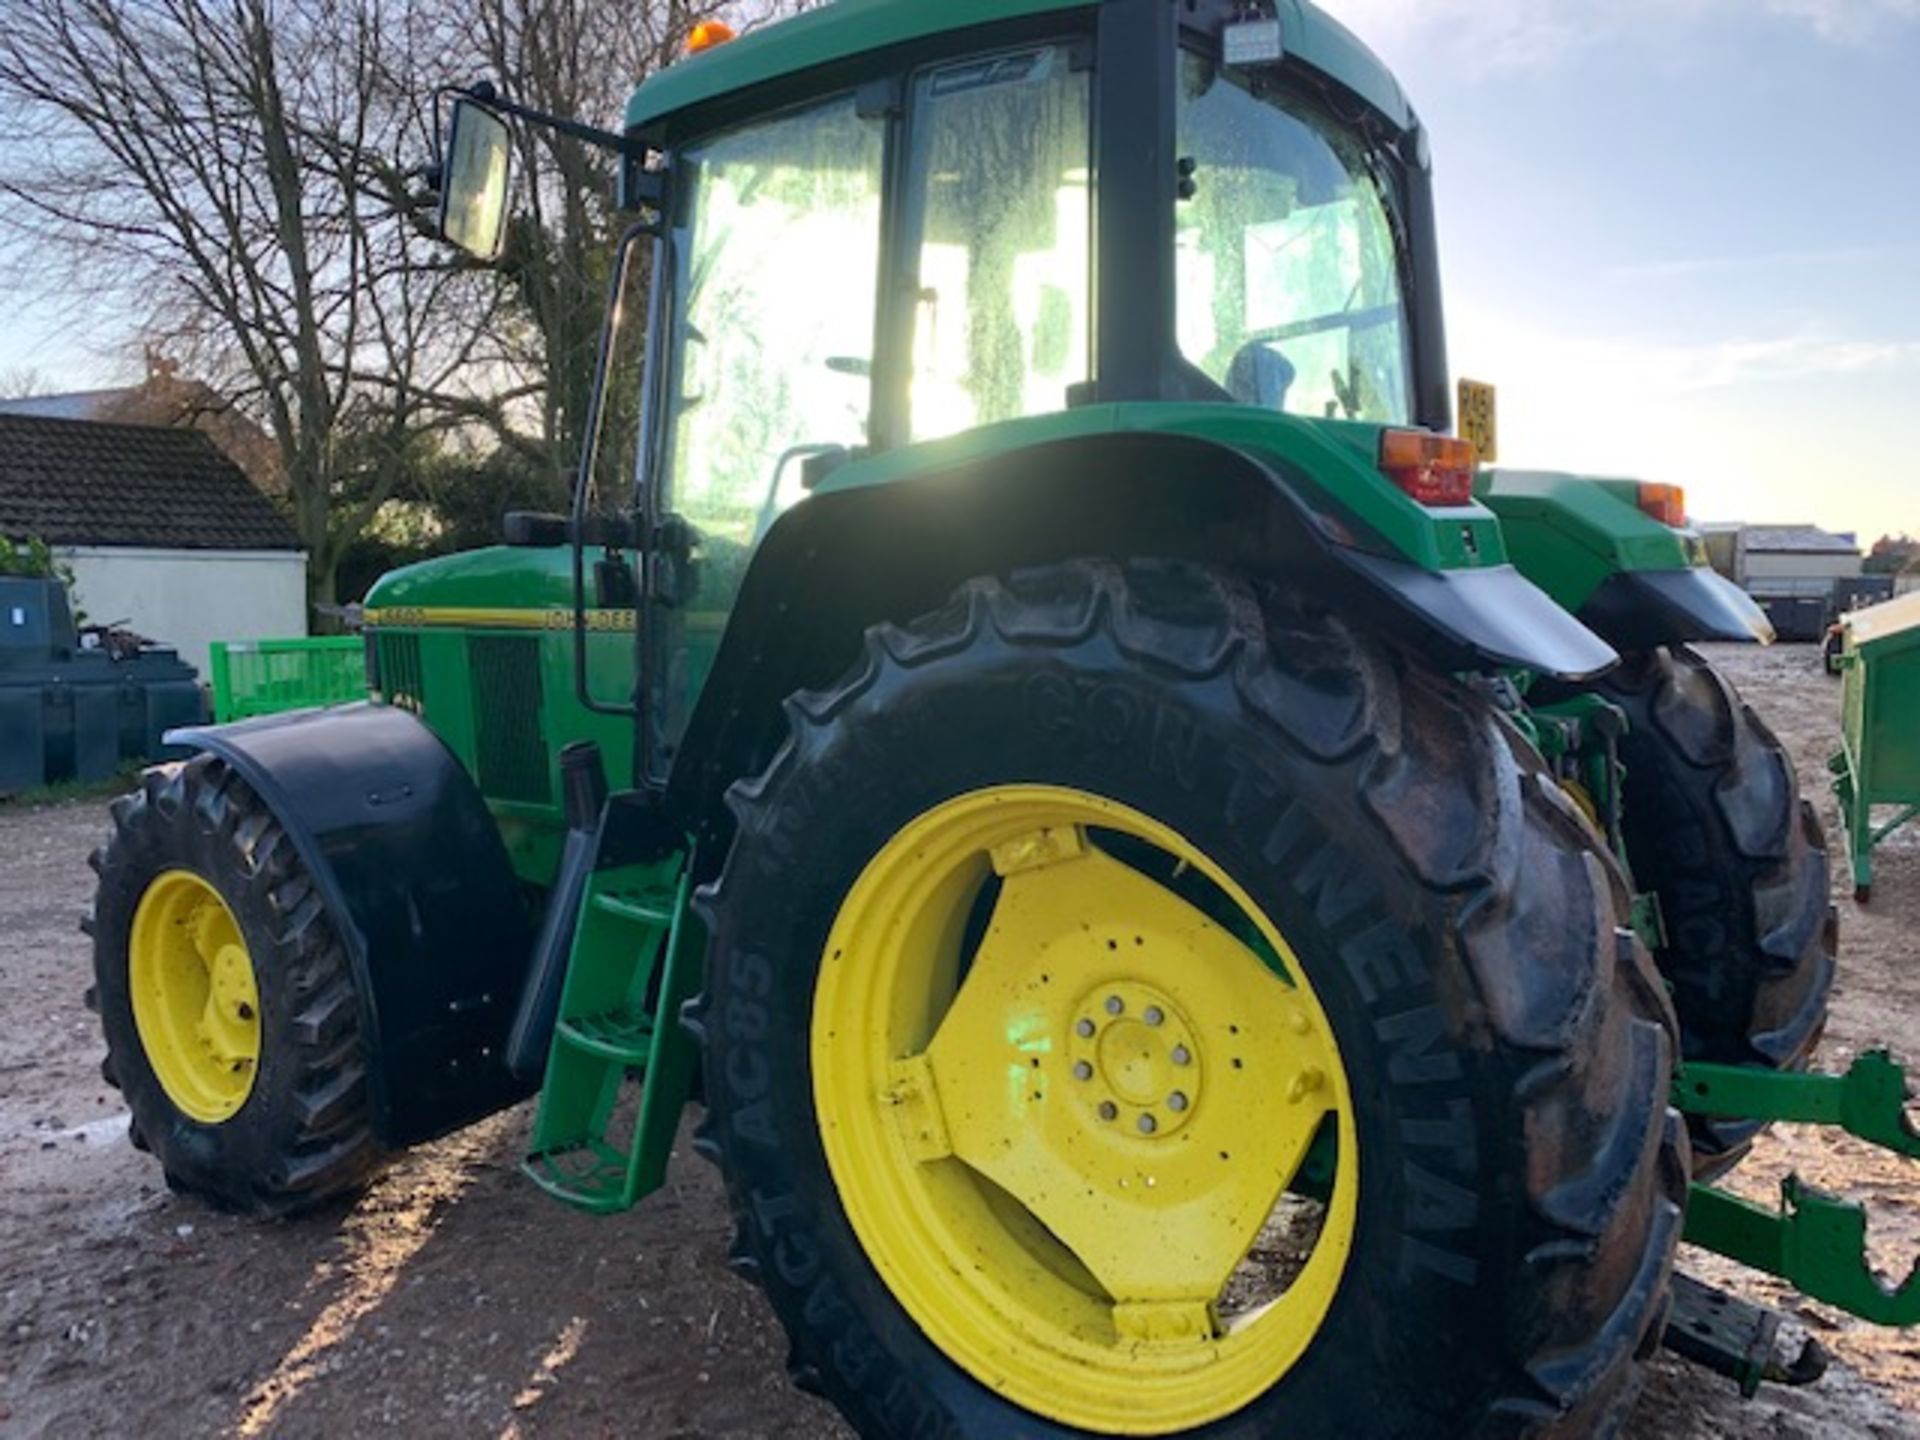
(454, 1300)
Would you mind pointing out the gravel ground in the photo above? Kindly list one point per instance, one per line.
(455, 1300)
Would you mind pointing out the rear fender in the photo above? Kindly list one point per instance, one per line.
(1627, 577)
(1641, 609)
(411, 867)
(853, 556)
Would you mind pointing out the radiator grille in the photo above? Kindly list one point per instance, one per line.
(510, 753)
(397, 658)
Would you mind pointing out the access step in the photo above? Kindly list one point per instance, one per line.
(623, 1035)
(617, 1073)
(1736, 1338)
(649, 906)
(590, 1177)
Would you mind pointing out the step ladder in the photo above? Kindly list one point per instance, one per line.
(621, 1068)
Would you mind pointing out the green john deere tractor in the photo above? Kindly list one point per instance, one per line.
(1186, 903)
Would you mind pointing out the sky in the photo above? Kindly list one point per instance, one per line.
(1683, 239)
(1681, 236)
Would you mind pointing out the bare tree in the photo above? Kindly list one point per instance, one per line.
(574, 58)
(204, 164)
(242, 179)
(23, 382)
(578, 58)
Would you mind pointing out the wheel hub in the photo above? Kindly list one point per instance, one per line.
(1059, 1140)
(1134, 1060)
(196, 1003)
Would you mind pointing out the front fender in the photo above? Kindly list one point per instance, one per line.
(409, 862)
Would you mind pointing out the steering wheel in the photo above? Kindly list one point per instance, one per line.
(1367, 319)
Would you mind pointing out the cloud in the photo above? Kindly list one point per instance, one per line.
(1645, 367)
(1731, 363)
(1847, 22)
(1497, 34)
(1750, 425)
(1767, 259)
(1517, 35)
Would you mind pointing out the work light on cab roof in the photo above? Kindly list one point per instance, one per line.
(707, 34)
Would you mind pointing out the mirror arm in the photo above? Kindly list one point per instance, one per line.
(640, 188)
(485, 92)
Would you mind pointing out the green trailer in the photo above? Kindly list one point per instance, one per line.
(1879, 760)
(1055, 748)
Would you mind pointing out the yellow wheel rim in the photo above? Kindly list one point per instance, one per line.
(1062, 1094)
(195, 1003)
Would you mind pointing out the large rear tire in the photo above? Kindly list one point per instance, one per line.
(227, 1000)
(1716, 828)
(952, 921)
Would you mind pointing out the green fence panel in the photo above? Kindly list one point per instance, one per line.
(265, 677)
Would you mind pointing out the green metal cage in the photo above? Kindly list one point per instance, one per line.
(265, 677)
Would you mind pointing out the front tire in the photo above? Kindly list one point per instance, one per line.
(1383, 843)
(226, 997)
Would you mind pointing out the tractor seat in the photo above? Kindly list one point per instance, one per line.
(1260, 375)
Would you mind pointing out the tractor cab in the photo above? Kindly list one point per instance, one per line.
(949, 229)
(882, 226)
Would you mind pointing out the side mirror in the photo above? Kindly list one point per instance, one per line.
(473, 184)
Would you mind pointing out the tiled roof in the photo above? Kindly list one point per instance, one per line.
(73, 405)
(1799, 540)
(77, 482)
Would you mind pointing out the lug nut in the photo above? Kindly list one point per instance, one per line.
(1084, 1029)
(1148, 1125)
(1177, 1101)
(1108, 1110)
(1115, 1005)
(1154, 1015)
(1082, 1070)
(1182, 1055)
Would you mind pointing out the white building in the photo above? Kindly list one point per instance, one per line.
(1796, 553)
(165, 534)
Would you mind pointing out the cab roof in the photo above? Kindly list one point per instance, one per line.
(852, 27)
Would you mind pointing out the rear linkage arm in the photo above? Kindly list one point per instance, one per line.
(1816, 1241)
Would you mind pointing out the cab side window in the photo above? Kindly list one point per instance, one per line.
(776, 259)
(1000, 211)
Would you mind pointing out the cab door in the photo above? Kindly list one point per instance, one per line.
(773, 260)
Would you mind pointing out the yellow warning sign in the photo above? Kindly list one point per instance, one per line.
(1480, 419)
